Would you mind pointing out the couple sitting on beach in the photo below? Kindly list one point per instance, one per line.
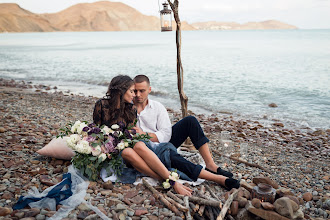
(156, 157)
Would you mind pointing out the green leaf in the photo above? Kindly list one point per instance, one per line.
(92, 158)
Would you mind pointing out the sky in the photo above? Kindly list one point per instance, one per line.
(305, 14)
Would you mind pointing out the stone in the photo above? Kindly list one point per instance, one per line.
(40, 217)
(45, 180)
(266, 214)
(92, 217)
(7, 195)
(298, 214)
(278, 124)
(267, 206)
(19, 214)
(234, 208)
(308, 196)
(286, 207)
(137, 199)
(2, 187)
(105, 192)
(244, 214)
(83, 207)
(293, 198)
(242, 202)
(284, 192)
(262, 179)
(272, 105)
(131, 194)
(32, 212)
(108, 185)
(5, 211)
(256, 203)
(2, 130)
(112, 202)
(140, 212)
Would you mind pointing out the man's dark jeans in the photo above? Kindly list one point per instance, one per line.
(188, 127)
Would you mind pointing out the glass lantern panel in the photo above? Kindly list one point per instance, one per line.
(166, 22)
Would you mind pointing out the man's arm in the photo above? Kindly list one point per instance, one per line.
(159, 123)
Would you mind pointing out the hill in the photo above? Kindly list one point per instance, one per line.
(264, 25)
(105, 16)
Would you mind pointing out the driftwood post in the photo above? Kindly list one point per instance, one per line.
(179, 68)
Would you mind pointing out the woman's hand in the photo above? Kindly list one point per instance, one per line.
(181, 189)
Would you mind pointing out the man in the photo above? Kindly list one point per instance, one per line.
(154, 120)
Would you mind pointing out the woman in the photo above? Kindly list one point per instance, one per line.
(116, 107)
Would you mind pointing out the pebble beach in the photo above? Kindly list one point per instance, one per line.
(298, 159)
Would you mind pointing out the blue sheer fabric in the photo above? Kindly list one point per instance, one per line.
(59, 193)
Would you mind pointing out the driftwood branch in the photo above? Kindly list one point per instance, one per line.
(209, 213)
(178, 205)
(212, 192)
(186, 201)
(175, 198)
(159, 196)
(201, 193)
(243, 161)
(227, 205)
(201, 201)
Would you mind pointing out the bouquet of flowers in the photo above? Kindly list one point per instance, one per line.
(99, 147)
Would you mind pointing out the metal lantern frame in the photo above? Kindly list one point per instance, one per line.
(166, 18)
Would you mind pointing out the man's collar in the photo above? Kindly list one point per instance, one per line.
(150, 104)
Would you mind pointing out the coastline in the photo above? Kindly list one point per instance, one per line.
(32, 114)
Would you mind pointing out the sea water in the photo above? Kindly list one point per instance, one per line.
(236, 72)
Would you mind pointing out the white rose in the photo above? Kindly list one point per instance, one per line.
(166, 185)
(84, 143)
(96, 151)
(107, 130)
(126, 144)
(74, 138)
(88, 150)
(174, 176)
(120, 146)
(120, 133)
(75, 126)
(70, 144)
(114, 126)
(81, 127)
(103, 156)
(80, 148)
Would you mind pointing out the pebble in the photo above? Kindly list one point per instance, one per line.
(297, 156)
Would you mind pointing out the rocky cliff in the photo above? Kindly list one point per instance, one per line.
(104, 16)
(264, 25)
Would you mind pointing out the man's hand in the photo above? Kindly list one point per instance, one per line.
(138, 130)
(152, 135)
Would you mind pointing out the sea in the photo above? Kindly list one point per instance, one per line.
(235, 73)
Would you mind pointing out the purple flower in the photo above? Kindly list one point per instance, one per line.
(91, 125)
(121, 125)
(110, 147)
(127, 134)
(94, 130)
(133, 131)
(85, 129)
(90, 139)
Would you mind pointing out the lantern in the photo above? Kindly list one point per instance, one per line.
(166, 18)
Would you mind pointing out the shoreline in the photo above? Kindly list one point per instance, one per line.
(172, 103)
(299, 159)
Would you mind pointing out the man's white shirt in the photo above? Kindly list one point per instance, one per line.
(154, 119)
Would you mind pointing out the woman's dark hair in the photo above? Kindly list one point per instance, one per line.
(119, 110)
